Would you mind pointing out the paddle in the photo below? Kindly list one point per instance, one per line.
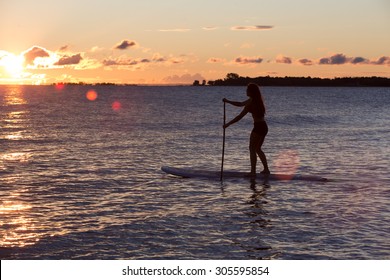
(223, 143)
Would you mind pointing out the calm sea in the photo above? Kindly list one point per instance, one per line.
(81, 179)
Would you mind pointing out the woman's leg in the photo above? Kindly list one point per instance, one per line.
(255, 143)
(263, 159)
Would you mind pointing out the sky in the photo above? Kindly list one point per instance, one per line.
(179, 41)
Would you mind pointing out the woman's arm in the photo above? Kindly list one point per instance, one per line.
(237, 103)
(236, 119)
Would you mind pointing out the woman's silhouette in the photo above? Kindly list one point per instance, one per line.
(255, 106)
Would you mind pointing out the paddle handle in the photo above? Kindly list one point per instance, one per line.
(223, 142)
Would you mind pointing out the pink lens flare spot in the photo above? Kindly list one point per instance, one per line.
(286, 164)
(92, 95)
(60, 86)
(116, 106)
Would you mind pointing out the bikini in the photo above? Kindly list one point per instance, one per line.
(260, 127)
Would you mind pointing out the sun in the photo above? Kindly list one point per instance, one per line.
(13, 64)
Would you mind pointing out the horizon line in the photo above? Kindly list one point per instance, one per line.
(81, 83)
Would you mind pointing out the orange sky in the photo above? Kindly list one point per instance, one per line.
(178, 41)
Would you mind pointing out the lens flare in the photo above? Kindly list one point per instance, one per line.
(116, 106)
(286, 164)
(92, 95)
(60, 86)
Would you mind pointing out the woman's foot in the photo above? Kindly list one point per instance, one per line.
(265, 172)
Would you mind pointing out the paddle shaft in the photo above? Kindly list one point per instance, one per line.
(223, 143)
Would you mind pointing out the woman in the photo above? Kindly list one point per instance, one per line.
(255, 106)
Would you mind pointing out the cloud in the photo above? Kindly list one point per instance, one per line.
(34, 52)
(359, 59)
(252, 28)
(283, 59)
(305, 61)
(384, 60)
(336, 59)
(248, 60)
(87, 63)
(125, 45)
(215, 60)
(96, 49)
(169, 60)
(69, 60)
(339, 59)
(184, 79)
(40, 58)
(156, 59)
(210, 28)
(121, 62)
(64, 48)
(175, 30)
(3, 54)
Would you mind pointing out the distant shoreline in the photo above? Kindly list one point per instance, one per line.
(233, 79)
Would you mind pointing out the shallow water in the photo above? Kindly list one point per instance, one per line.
(81, 179)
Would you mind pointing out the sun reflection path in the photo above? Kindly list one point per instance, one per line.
(17, 225)
(14, 98)
(14, 121)
(18, 157)
(16, 230)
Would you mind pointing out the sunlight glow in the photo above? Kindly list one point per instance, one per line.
(9, 206)
(19, 228)
(12, 64)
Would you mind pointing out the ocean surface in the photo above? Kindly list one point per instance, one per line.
(80, 174)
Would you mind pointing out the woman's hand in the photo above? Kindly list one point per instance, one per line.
(226, 126)
(237, 103)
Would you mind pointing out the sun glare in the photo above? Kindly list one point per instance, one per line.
(12, 64)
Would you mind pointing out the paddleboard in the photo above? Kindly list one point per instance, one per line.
(216, 175)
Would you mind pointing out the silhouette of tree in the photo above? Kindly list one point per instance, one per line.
(233, 79)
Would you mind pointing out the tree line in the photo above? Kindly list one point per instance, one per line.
(233, 79)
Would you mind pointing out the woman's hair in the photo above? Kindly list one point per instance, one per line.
(253, 91)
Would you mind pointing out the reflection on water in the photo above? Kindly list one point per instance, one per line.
(18, 157)
(260, 220)
(17, 228)
(14, 118)
(15, 96)
(80, 179)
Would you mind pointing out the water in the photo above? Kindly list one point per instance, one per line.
(81, 179)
